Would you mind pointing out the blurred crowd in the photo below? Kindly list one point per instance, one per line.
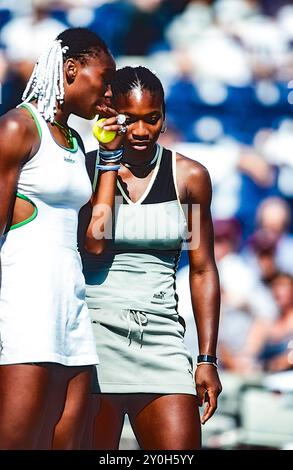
(227, 68)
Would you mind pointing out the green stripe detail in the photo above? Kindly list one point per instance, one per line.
(31, 217)
(29, 109)
(75, 145)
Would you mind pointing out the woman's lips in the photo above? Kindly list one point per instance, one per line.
(139, 147)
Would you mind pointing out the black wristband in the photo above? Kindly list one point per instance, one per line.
(207, 358)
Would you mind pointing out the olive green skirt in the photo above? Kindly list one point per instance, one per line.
(141, 352)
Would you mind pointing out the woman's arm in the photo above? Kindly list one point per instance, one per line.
(100, 226)
(280, 362)
(99, 230)
(16, 143)
(204, 280)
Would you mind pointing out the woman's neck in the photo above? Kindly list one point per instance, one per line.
(61, 117)
(142, 166)
(135, 161)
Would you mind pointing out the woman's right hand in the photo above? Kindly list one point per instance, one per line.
(110, 124)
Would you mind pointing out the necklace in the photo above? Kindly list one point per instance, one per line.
(66, 132)
(131, 165)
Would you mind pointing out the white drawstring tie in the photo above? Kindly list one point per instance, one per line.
(141, 319)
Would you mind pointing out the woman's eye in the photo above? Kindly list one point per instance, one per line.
(129, 121)
(152, 120)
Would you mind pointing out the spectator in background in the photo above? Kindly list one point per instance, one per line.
(24, 38)
(273, 215)
(277, 339)
(146, 19)
(259, 179)
(261, 254)
(247, 305)
(136, 27)
(271, 8)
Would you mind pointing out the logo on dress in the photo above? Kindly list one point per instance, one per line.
(160, 295)
(69, 159)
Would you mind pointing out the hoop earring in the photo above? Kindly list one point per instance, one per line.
(164, 127)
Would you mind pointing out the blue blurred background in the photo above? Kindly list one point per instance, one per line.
(227, 69)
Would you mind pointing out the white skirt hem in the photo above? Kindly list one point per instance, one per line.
(88, 360)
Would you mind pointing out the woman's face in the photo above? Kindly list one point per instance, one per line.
(91, 86)
(282, 288)
(144, 119)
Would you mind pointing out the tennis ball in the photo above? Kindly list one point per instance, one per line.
(101, 135)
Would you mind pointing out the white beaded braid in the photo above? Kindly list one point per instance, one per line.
(46, 83)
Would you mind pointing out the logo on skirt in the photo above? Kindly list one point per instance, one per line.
(160, 295)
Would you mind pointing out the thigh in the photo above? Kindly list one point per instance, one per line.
(169, 422)
(75, 383)
(23, 395)
(108, 422)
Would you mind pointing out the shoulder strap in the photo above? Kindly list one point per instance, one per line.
(30, 108)
(91, 161)
(163, 188)
(78, 138)
(96, 174)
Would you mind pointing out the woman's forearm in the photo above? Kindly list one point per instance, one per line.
(100, 227)
(205, 295)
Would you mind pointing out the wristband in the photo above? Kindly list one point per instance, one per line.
(207, 359)
(108, 168)
(102, 161)
(207, 363)
(111, 156)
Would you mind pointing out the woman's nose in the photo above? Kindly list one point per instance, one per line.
(140, 129)
(108, 92)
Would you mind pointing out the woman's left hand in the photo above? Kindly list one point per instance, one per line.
(208, 388)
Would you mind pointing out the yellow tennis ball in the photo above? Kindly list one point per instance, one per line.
(103, 136)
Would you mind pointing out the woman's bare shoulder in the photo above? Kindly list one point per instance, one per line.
(191, 170)
(18, 133)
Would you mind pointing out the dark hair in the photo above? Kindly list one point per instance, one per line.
(228, 229)
(127, 78)
(263, 241)
(280, 275)
(82, 43)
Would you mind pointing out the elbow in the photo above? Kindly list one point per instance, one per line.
(207, 270)
(95, 247)
(94, 250)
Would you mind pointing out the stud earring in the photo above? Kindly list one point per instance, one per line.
(164, 127)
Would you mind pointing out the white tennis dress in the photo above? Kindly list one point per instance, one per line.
(43, 315)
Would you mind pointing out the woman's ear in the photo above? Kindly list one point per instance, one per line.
(70, 70)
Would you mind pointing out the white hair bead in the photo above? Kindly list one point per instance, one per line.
(46, 83)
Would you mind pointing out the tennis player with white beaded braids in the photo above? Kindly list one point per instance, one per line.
(47, 346)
